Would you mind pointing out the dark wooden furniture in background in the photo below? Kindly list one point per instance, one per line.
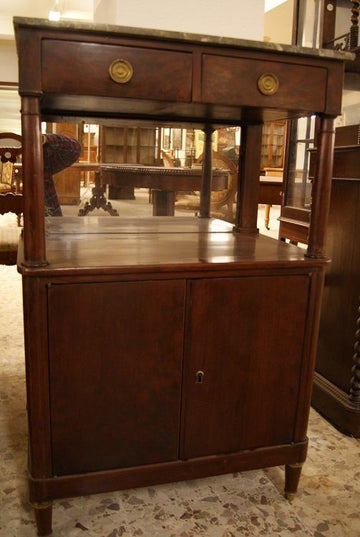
(151, 355)
(128, 145)
(337, 378)
(273, 145)
(295, 210)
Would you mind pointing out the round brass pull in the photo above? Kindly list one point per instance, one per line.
(121, 71)
(268, 84)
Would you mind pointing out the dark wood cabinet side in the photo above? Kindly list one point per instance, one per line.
(340, 311)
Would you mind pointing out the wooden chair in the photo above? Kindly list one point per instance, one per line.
(11, 199)
(222, 202)
(167, 159)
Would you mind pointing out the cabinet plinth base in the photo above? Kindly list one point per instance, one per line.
(152, 474)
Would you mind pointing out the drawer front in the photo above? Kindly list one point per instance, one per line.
(235, 81)
(155, 74)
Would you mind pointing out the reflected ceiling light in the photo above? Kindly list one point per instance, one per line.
(55, 12)
(54, 15)
(271, 4)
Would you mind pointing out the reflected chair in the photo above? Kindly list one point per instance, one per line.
(222, 201)
(11, 198)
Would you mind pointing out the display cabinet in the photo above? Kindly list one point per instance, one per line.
(332, 25)
(273, 145)
(132, 145)
(297, 190)
(150, 352)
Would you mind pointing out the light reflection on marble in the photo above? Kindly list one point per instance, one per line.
(128, 31)
(234, 505)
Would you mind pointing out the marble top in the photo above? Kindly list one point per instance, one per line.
(185, 37)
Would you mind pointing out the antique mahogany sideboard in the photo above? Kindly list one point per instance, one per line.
(167, 348)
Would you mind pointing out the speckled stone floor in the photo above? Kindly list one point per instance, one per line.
(246, 504)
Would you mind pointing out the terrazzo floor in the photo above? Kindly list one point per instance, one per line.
(245, 504)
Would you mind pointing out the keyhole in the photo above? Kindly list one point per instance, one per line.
(199, 377)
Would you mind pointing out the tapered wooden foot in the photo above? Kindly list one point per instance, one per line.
(267, 216)
(292, 476)
(43, 517)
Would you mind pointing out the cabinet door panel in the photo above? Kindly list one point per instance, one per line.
(246, 335)
(115, 373)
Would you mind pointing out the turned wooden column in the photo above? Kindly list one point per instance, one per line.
(33, 183)
(320, 200)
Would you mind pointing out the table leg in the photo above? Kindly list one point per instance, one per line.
(267, 215)
(98, 200)
(163, 202)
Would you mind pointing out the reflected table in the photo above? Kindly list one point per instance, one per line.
(163, 182)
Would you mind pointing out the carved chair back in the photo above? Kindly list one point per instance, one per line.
(11, 199)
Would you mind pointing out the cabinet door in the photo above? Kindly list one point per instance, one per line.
(115, 373)
(246, 335)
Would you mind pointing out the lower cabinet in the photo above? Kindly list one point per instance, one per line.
(144, 372)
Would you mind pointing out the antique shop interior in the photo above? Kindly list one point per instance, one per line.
(139, 166)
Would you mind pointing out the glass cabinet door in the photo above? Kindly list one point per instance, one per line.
(295, 212)
(298, 191)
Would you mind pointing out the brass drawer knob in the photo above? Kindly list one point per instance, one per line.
(121, 71)
(268, 84)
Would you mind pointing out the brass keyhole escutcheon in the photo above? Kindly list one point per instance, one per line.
(268, 84)
(199, 377)
(121, 71)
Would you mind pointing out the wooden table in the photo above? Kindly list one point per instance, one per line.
(164, 183)
(270, 193)
(151, 355)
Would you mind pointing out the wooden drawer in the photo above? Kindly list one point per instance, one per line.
(157, 74)
(234, 81)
